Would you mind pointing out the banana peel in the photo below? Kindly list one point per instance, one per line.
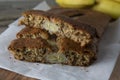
(75, 4)
(109, 7)
(117, 1)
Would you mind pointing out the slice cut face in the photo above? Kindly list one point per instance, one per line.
(75, 54)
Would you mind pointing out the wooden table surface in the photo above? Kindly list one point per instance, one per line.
(10, 11)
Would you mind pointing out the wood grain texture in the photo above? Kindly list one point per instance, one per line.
(8, 75)
(116, 72)
(10, 11)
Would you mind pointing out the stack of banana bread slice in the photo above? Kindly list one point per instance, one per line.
(59, 36)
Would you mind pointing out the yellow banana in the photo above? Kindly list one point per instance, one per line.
(109, 7)
(75, 4)
(117, 1)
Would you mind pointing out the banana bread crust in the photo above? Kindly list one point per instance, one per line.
(30, 32)
(27, 42)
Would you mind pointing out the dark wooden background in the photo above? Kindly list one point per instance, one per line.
(10, 11)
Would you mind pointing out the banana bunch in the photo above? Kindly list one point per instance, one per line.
(110, 7)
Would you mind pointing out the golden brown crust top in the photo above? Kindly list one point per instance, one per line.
(28, 43)
(33, 31)
(65, 44)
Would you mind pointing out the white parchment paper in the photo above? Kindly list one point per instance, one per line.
(109, 48)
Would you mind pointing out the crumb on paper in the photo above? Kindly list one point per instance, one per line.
(37, 64)
(84, 69)
(10, 57)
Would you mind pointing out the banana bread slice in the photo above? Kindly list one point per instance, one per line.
(59, 25)
(30, 49)
(30, 32)
(75, 54)
(71, 53)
